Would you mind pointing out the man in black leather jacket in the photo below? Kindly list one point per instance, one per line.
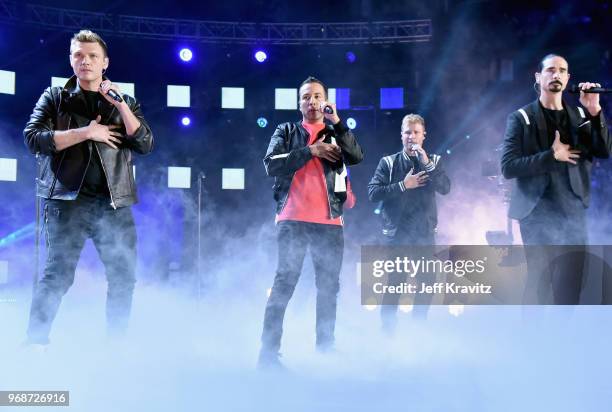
(308, 161)
(406, 184)
(83, 139)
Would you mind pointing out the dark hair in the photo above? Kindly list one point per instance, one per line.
(548, 56)
(312, 79)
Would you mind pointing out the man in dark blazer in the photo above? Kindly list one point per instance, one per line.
(548, 149)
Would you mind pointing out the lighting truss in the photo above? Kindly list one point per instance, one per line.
(381, 32)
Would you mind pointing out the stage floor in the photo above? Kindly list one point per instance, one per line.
(182, 355)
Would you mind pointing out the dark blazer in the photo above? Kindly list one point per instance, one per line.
(528, 158)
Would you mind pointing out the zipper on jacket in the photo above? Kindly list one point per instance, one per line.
(110, 192)
(52, 188)
(130, 171)
(85, 174)
(331, 216)
(86, 167)
(327, 191)
(59, 167)
(111, 114)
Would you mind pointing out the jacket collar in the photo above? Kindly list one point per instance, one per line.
(74, 98)
(72, 85)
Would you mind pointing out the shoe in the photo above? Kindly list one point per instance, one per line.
(34, 349)
(269, 360)
(389, 327)
(326, 348)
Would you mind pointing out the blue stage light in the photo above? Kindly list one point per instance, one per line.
(351, 123)
(391, 97)
(185, 121)
(185, 55)
(261, 56)
(262, 122)
(18, 235)
(350, 57)
(448, 151)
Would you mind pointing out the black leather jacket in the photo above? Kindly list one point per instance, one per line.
(288, 152)
(61, 173)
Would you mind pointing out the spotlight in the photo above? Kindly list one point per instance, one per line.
(467, 136)
(185, 121)
(261, 56)
(21, 233)
(370, 304)
(262, 122)
(351, 123)
(456, 310)
(448, 151)
(378, 209)
(405, 308)
(350, 57)
(185, 55)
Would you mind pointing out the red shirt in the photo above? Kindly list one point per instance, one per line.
(307, 200)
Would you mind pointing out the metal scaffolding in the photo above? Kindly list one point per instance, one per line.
(381, 32)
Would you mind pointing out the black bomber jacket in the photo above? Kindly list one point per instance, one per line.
(288, 152)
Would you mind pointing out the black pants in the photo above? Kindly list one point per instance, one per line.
(388, 309)
(551, 263)
(67, 225)
(326, 243)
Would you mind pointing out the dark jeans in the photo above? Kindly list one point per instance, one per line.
(326, 243)
(546, 234)
(67, 225)
(388, 309)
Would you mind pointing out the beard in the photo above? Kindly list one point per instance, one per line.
(555, 87)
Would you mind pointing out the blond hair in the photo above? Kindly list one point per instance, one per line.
(88, 36)
(413, 118)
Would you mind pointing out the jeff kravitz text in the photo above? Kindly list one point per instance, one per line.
(421, 276)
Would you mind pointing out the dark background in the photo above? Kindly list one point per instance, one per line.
(455, 81)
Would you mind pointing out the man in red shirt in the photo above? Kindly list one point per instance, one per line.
(308, 160)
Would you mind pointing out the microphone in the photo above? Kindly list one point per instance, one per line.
(328, 109)
(576, 89)
(114, 95)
